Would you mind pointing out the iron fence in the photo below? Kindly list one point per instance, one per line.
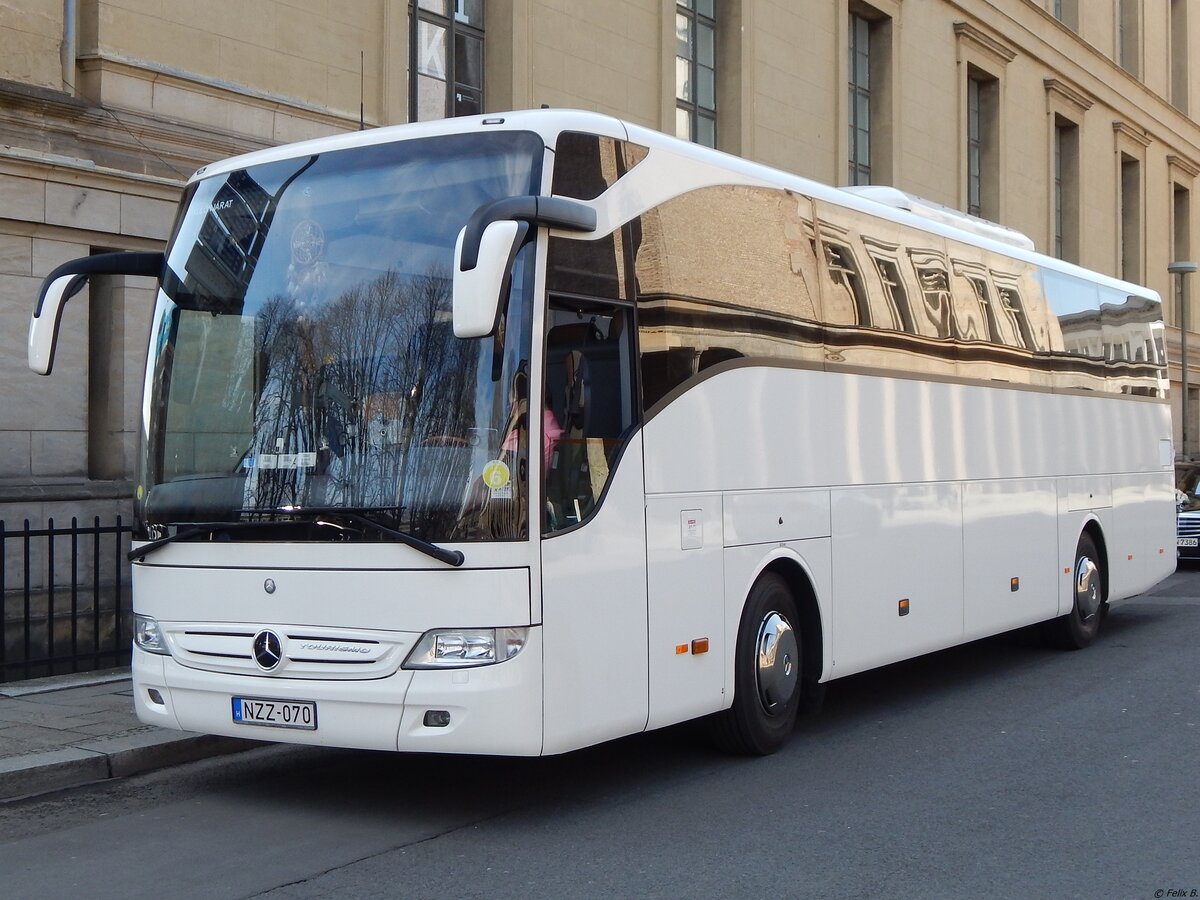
(64, 599)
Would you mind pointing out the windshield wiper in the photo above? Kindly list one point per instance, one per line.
(441, 554)
(206, 528)
(450, 557)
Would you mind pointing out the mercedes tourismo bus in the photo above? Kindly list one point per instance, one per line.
(518, 433)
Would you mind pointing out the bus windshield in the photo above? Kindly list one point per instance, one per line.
(303, 358)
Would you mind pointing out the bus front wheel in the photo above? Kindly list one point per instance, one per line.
(767, 668)
(1078, 628)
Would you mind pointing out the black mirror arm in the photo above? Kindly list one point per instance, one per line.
(552, 212)
(120, 263)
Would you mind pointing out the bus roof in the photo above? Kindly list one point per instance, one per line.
(878, 201)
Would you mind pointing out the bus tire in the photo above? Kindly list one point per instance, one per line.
(1078, 628)
(767, 668)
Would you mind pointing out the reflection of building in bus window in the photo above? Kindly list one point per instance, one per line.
(935, 292)
(847, 283)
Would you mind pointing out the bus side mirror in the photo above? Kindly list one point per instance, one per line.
(485, 249)
(479, 290)
(64, 283)
(43, 327)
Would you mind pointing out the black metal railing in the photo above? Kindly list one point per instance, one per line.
(64, 599)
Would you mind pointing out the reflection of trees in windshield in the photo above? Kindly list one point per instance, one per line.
(311, 361)
(367, 402)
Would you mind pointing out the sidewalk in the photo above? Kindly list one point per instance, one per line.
(70, 730)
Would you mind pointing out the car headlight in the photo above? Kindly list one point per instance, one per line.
(148, 636)
(456, 648)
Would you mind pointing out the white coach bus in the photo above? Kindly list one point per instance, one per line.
(518, 433)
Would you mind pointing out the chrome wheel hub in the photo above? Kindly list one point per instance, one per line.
(778, 663)
(1087, 589)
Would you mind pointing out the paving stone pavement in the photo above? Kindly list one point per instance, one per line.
(70, 730)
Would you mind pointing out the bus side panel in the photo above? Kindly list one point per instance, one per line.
(1127, 545)
(594, 617)
(686, 605)
(1144, 528)
(1160, 527)
(894, 544)
(1010, 531)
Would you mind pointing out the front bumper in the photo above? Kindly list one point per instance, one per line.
(494, 709)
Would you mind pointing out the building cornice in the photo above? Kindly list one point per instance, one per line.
(1134, 134)
(26, 163)
(1069, 94)
(19, 94)
(147, 70)
(1181, 164)
(993, 46)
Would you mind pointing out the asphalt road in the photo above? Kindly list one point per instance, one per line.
(999, 769)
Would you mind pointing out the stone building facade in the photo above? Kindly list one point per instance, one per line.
(1066, 120)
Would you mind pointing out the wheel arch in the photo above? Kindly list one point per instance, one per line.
(812, 632)
(1093, 529)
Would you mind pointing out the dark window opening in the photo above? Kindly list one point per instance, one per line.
(588, 404)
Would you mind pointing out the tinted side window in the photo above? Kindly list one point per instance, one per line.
(588, 405)
(1113, 341)
(731, 272)
(587, 165)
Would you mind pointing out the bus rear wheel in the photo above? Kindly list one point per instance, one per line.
(1078, 628)
(767, 666)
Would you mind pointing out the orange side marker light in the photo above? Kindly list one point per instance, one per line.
(681, 648)
(700, 645)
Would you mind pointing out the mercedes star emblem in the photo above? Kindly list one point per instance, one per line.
(268, 650)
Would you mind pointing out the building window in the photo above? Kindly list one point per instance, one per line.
(983, 144)
(1066, 189)
(860, 100)
(1179, 55)
(1067, 12)
(1129, 39)
(445, 59)
(1131, 205)
(869, 63)
(695, 71)
(1181, 231)
(1181, 223)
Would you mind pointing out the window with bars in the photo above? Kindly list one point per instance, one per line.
(445, 59)
(695, 71)
(983, 113)
(1131, 221)
(860, 100)
(1181, 221)
(1179, 54)
(1066, 189)
(974, 149)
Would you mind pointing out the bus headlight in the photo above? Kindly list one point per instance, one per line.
(148, 636)
(456, 648)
